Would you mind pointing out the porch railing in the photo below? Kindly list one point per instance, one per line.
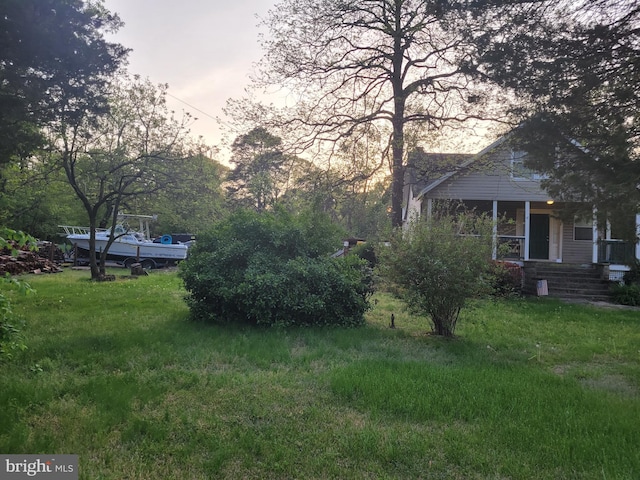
(617, 252)
(510, 247)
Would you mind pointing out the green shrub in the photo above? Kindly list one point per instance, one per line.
(633, 275)
(438, 264)
(272, 269)
(11, 338)
(626, 294)
(505, 279)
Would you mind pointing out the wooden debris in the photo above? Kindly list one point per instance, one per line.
(25, 261)
(136, 269)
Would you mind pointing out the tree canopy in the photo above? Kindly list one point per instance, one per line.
(256, 181)
(387, 69)
(577, 71)
(353, 68)
(54, 63)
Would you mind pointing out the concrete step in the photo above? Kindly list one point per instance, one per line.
(567, 281)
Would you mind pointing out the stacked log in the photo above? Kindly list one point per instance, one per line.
(24, 261)
(51, 251)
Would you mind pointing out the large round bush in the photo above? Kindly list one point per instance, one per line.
(274, 269)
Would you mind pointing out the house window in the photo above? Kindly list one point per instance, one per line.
(521, 172)
(583, 229)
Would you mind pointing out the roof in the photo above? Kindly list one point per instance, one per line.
(424, 168)
(467, 161)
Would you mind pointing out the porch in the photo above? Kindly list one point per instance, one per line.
(540, 231)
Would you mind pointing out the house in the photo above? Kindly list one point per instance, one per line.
(534, 229)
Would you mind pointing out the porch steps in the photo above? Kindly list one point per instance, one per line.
(567, 281)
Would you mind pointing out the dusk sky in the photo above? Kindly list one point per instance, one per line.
(203, 49)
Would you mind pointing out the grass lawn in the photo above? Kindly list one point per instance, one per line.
(117, 374)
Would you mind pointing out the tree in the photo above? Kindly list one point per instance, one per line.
(128, 152)
(352, 197)
(359, 188)
(438, 265)
(383, 64)
(194, 201)
(36, 198)
(578, 76)
(54, 64)
(255, 181)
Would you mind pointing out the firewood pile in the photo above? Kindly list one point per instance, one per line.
(51, 251)
(23, 260)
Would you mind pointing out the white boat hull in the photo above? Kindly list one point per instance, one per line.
(129, 247)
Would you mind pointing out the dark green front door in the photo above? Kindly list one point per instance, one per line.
(539, 237)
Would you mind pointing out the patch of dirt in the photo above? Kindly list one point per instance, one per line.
(561, 370)
(595, 379)
(600, 304)
(613, 383)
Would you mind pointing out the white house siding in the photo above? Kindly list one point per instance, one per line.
(412, 209)
(489, 180)
(575, 251)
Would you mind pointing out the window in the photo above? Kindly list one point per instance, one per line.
(583, 229)
(521, 172)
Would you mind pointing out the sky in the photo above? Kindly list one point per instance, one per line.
(204, 50)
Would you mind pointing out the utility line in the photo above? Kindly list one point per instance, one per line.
(191, 106)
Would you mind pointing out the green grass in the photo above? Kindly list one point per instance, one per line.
(116, 373)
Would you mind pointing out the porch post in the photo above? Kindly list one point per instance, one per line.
(638, 236)
(527, 228)
(494, 252)
(594, 237)
(429, 207)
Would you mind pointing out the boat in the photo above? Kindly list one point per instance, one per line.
(130, 246)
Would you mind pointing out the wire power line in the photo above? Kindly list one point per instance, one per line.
(191, 106)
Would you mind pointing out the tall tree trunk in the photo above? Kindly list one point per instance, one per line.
(397, 183)
(399, 102)
(93, 257)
